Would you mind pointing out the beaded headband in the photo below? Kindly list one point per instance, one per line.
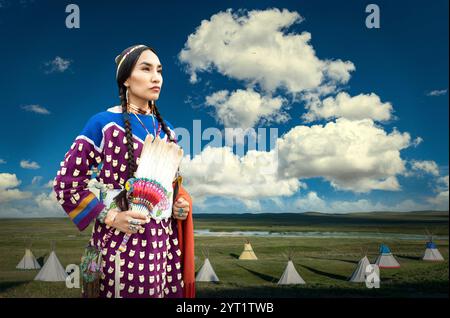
(125, 56)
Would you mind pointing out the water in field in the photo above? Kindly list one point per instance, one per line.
(368, 235)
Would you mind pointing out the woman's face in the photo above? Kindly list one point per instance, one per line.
(147, 73)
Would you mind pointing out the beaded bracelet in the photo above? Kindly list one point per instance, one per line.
(101, 217)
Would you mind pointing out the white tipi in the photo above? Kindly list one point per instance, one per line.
(386, 259)
(359, 274)
(206, 273)
(247, 253)
(28, 261)
(52, 271)
(290, 274)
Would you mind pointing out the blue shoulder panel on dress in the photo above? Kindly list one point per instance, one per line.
(95, 124)
(93, 129)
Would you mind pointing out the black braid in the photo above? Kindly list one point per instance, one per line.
(161, 120)
(132, 166)
(121, 199)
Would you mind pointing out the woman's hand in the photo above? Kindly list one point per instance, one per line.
(180, 209)
(129, 222)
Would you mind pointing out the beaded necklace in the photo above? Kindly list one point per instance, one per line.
(133, 109)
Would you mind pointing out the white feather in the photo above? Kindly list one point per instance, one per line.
(159, 160)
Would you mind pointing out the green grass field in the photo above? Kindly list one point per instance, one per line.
(325, 263)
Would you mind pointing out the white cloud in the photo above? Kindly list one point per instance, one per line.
(245, 108)
(8, 188)
(2, 161)
(252, 46)
(29, 164)
(441, 200)
(254, 205)
(443, 181)
(36, 206)
(219, 172)
(17, 203)
(427, 166)
(58, 64)
(437, 92)
(36, 180)
(417, 142)
(351, 107)
(48, 204)
(13, 195)
(49, 184)
(8, 181)
(353, 155)
(312, 202)
(36, 109)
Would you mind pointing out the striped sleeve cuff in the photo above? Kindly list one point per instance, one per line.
(86, 211)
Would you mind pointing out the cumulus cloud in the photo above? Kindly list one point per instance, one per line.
(36, 180)
(427, 166)
(8, 188)
(29, 164)
(252, 46)
(351, 107)
(15, 203)
(217, 171)
(49, 184)
(8, 181)
(443, 181)
(47, 204)
(245, 108)
(36, 109)
(441, 200)
(312, 202)
(437, 92)
(353, 155)
(57, 65)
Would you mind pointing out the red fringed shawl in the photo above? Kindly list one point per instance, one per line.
(186, 244)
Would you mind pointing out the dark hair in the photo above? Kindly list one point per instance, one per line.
(126, 67)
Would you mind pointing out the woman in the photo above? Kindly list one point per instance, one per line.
(159, 256)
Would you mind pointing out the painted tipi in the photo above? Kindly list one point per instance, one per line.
(432, 253)
(386, 259)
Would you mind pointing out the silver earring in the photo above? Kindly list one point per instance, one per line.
(126, 95)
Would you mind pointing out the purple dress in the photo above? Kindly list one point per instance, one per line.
(150, 265)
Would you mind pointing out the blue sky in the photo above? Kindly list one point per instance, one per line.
(54, 78)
